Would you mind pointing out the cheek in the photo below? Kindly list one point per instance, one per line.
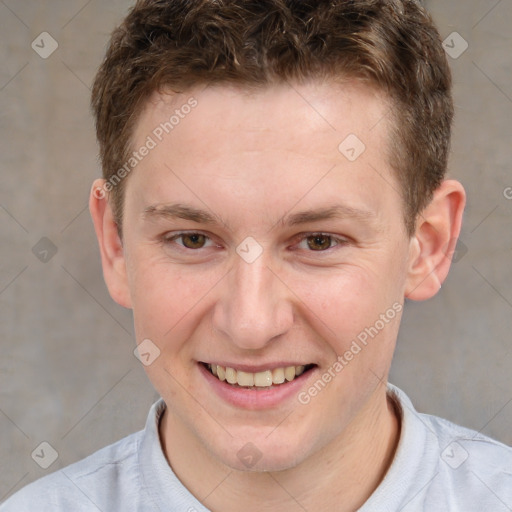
(344, 305)
(169, 300)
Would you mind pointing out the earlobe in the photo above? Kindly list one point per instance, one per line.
(433, 244)
(111, 247)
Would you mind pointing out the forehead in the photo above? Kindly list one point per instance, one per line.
(320, 106)
(285, 139)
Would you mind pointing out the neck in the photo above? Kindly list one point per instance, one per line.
(341, 476)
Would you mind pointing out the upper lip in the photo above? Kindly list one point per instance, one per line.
(257, 368)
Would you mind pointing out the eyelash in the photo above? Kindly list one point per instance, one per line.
(170, 239)
(338, 241)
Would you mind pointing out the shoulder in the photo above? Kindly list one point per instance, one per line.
(86, 484)
(474, 472)
(467, 452)
(455, 445)
(440, 465)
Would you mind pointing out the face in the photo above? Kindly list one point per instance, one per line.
(258, 247)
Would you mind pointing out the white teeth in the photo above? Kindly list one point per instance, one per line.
(278, 375)
(263, 379)
(231, 375)
(221, 373)
(245, 379)
(289, 373)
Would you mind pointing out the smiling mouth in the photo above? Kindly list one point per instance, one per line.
(260, 380)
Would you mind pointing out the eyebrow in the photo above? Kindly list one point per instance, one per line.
(180, 211)
(337, 211)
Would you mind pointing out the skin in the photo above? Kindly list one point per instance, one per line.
(251, 159)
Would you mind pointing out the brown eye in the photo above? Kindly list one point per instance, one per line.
(193, 240)
(319, 242)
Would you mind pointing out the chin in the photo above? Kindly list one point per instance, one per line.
(261, 455)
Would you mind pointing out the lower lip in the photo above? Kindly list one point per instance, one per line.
(252, 399)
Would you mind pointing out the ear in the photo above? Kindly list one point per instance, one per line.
(433, 244)
(111, 247)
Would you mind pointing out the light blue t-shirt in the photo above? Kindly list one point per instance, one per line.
(438, 467)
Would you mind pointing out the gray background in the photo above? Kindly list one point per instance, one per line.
(67, 371)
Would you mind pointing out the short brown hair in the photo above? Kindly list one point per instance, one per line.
(178, 44)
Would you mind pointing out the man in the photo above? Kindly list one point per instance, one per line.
(274, 188)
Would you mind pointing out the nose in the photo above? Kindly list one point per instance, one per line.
(255, 306)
